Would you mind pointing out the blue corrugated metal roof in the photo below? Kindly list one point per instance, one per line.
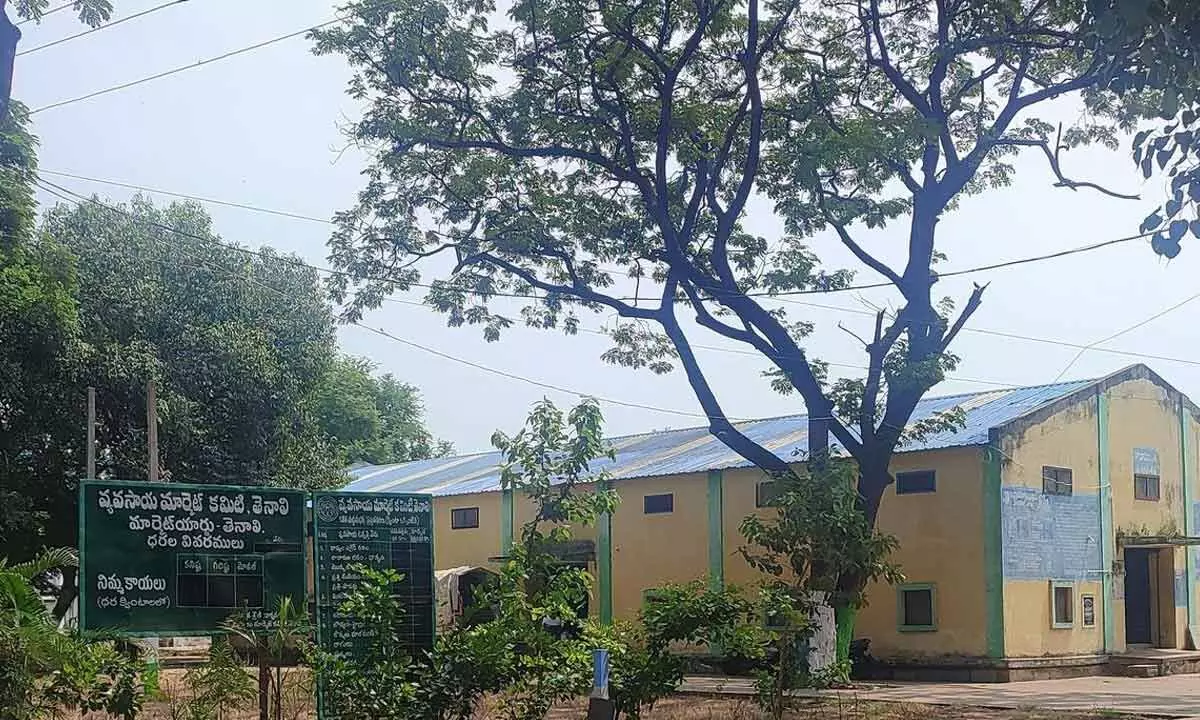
(693, 450)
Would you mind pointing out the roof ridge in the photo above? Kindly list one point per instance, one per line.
(769, 418)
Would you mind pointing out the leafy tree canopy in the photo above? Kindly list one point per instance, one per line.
(599, 155)
(251, 387)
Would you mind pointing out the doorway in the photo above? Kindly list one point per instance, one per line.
(1140, 577)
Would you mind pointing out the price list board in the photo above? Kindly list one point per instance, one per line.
(174, 559)
(379, 531)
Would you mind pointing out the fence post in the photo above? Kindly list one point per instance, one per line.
(600, 706)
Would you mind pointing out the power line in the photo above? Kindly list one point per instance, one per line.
(185, 196)
(781, 296)
(98, 28)
(979, 331)
(1129, 329)
(379, 331)
(751, 353)
(51, 11)
(181, 68)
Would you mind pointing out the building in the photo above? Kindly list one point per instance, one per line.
(1052, 530)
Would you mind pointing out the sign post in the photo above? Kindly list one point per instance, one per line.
(379, 531)
(165, 559)
(600, 705)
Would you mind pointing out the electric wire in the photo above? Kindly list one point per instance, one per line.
(98, 28)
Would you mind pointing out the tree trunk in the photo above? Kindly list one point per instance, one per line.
(67, 593)
(873, 479)
(264, 682)
(10, 35)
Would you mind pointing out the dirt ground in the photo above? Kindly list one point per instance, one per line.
(681, 707)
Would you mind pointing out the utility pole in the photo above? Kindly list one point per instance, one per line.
(10, 35)
(91, 433)
(152, 429)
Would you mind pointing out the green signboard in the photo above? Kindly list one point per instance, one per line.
(174, 559)
(379, 531)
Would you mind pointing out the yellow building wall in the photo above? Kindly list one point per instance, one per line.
(1067, 439)
(1143, 415)
(941, 542)
(467, 546)
(738, 494)
(654, 550)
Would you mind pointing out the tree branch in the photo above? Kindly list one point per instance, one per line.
(718, 424)
(865, 257)
(1052, 157)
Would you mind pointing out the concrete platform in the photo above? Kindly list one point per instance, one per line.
(1154, 662)
(1176, 696)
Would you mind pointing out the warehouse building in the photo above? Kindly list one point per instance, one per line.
(1053, 532)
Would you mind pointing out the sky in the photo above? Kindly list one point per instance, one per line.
(266, 128)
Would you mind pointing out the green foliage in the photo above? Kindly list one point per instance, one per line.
(251, 387)
(218, 688)
(39, 326)
(374, 419)
(817, 547)
(44, 670)
(645, 662)
(275, 648)
(91, 12)
(817, 535)
(1167, 67)
(384, 681)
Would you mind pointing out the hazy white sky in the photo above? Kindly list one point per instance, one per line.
(263, 129)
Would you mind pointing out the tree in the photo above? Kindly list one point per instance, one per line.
(815, 536)
(1167, 63)
(40, 434)
(374, 419)
(236, 342)
(573, 136)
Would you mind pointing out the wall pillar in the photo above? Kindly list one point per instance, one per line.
(1188, 470)
(993, 550)
(604, 563)
(716, 530)
(1108, 538)
(506, 522)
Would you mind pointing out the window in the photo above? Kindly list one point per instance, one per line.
(1145, 487)
(464, 518)
(656, 504)
(911, 483)
(766, 493)
(1062, 600)
(1056, 481)
(917, 608)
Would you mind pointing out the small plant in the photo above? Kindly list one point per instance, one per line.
(646, 666)
(815, 548)
(218, 688)
(44, 670)
(275, 647)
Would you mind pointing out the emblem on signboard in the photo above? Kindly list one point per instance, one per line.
(327, 509)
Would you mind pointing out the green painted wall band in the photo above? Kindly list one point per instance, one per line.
(993, 553)
(1188, 469)
(1108, 547)
(506, 521)
(716, 530)
(604, 564)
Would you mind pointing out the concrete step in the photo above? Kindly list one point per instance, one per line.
(1142, 670)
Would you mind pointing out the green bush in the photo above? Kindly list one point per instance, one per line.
(44, 670)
